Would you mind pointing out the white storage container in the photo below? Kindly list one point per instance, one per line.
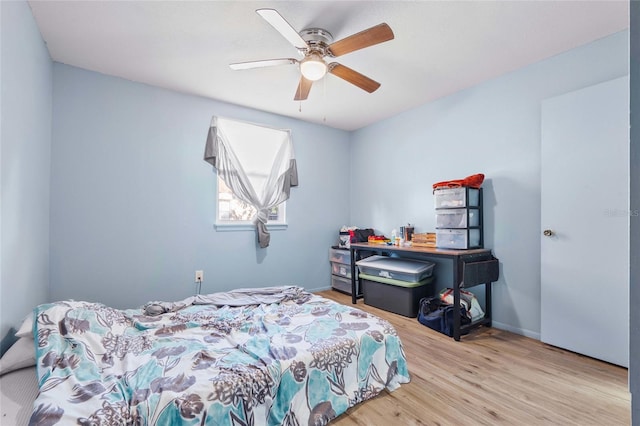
(341, 269)
(457, 197)
(341, 284)
(340, 256)
(457, 218)
(396, 268)
(457, 238)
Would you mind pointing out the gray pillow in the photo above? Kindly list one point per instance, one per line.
(20, 355)
(8, 340)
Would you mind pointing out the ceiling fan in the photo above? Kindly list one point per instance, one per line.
(316, 44)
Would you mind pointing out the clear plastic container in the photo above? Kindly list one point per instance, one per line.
(456, 197)
(457, 238)
(341, 284)
(341, 269)
(457, 218)
(396, 268)
(340, 256)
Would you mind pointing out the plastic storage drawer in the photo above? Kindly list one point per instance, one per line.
(395, 296)
(457, 218)
(458, 238)
(340, 256)
(396, 268)
(341, 269)
(341, 284)
(457, 197)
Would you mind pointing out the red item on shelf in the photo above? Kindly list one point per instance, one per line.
(473, 181)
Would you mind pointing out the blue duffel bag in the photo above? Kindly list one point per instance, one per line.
(437, 315)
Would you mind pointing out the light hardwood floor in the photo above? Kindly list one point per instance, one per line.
(491, 377)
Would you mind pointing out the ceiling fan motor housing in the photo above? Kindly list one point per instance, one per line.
(317, 39)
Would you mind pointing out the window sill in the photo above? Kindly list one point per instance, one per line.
(226, 227)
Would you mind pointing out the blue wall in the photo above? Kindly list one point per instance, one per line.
(132, 207)
(133, 202)
(26, 81)
(492, 128)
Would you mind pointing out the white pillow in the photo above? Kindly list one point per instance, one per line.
(20, 355)
(26, 329)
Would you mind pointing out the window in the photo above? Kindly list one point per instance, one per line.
(258, 165)
(233, 211)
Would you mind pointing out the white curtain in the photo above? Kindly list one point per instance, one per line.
(256, 162)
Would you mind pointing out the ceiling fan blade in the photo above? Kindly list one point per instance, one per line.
(283, 27)
(261, 64)
(302, 92)
(353, 77)
(374, 35)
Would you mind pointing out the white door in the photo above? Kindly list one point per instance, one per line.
(585, 206)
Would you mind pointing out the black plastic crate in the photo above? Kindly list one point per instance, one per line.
(395, 298)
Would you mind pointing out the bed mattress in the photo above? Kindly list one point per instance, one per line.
(272, 356)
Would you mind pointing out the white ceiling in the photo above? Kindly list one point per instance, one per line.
(440, 47)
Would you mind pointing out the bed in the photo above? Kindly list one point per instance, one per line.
(270, 356)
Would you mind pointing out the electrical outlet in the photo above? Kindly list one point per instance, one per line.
(199, 276)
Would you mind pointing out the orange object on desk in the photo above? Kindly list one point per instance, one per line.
(378, 239)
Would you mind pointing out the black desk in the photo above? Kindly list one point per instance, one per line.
(470, 268)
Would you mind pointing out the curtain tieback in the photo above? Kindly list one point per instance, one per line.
(262, 216)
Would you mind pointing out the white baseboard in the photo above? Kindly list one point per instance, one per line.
(516, 330)
(315, 290)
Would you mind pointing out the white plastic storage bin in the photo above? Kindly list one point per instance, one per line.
(341, 284)
(457, 238)
(396, 268)
(341, 269)
(340, 256)
(457, 218)
(457, 197)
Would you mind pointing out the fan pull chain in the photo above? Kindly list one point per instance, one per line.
(324, 100)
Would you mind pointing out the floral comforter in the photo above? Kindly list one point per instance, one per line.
(303, 360)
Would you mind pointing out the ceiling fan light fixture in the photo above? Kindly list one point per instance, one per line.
(313, 67)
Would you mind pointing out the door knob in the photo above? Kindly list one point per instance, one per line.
(548, 232)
